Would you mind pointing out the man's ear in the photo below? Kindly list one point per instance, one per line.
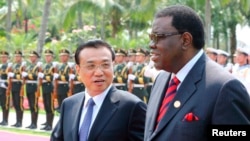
(187, 39)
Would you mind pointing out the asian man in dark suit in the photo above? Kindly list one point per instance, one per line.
(205, 95)
(116, 115)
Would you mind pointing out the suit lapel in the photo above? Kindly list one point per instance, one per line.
(107, 110)
(186, 90)
(76, 120)
(157, 94)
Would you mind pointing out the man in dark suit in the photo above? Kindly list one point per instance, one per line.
(117, 114)
(207, 94)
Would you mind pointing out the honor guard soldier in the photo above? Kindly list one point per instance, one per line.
(242, 69)
(212, 53)
(62, 77)
(46, 74)
(131, 65)
(75, 84)
(223, 60)
(120, 70)
(30, 77)
(78, 86)
(15, 84)
(139, 80)
(4, 98)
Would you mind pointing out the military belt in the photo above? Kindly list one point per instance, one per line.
(77, 82)
(138, 85)
(150, 84)
(3, 80)
(31, 81)
(15, 80)
(119, 84)
(63, 82)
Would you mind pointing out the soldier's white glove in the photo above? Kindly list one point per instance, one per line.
(10, 74)
(72, 76)
(3, 85)
(9, 64)
(131, 77)
(130, 64)
(148, 72)
(55, 75)
(39, 64)
(23, 64)
(151, 64)
(71, 64)
(54, 64)
(40, 75)
(24, 74)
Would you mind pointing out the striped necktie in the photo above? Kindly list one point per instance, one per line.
(169, 96)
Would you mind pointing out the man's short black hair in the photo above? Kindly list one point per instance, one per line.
(97, 43)
(185, 19)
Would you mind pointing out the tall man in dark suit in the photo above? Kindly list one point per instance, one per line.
(207, 94)
(117, 115)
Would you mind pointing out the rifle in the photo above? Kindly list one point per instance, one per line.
(8, 90)
(40, 81)
(23, 83)
(55, 85)
(71, 83)
(130, 82)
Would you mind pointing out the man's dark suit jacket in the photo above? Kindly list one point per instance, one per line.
(208, 92)
(121, 118)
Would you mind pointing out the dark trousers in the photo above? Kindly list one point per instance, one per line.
(78, 88)
(17, 101)
(16, 98)
(5, 105)
(48, 101)
(62, 93)
(4, 100)
(141, 92)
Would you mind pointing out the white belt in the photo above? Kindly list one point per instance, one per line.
(31, 81)
(119, 84)
(77, 82)
(63, 82)
(3, 80)
(15, 80)
(138, 85)
(150, 83)
(45, 81)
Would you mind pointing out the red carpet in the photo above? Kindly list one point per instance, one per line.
(11, 136)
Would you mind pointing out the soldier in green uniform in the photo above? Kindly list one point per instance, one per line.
(74, 79)
(120, 70)
(139, 80)
(15, 75)
(30, 76)
(78, 86)
(46, 74)
(63, 77)
(4, 98)
(131, 65)
(149, 65)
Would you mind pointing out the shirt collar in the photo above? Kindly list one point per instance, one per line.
(181, 75)
(98, 99)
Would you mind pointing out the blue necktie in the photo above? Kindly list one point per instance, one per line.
(84, 131)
